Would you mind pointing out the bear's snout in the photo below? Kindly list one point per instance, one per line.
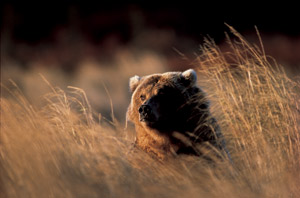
(146, 113)
(145, 109)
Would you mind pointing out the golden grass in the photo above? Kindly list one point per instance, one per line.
(64, 150)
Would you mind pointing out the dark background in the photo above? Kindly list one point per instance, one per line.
(34, 21)
(113, 23)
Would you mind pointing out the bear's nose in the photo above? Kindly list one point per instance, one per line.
(145, 109)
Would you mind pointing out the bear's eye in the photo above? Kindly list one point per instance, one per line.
(142, 97)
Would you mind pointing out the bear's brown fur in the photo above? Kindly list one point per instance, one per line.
(171, 114)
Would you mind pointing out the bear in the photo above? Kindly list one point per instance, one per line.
(171, 115)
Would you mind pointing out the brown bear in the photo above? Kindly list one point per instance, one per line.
(171, 115)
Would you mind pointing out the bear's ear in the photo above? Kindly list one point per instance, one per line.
(133, 83)
(189, 77)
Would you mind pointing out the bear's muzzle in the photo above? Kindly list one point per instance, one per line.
(146, 114)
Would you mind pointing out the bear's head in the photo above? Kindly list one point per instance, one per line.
(157, 99)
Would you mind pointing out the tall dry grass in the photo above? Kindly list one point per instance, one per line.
(66, 150)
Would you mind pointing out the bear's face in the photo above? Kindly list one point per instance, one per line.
(156, 99)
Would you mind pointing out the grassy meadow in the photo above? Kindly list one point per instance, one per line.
(63, 148)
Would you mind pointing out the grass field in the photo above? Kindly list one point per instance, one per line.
(62, 148)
